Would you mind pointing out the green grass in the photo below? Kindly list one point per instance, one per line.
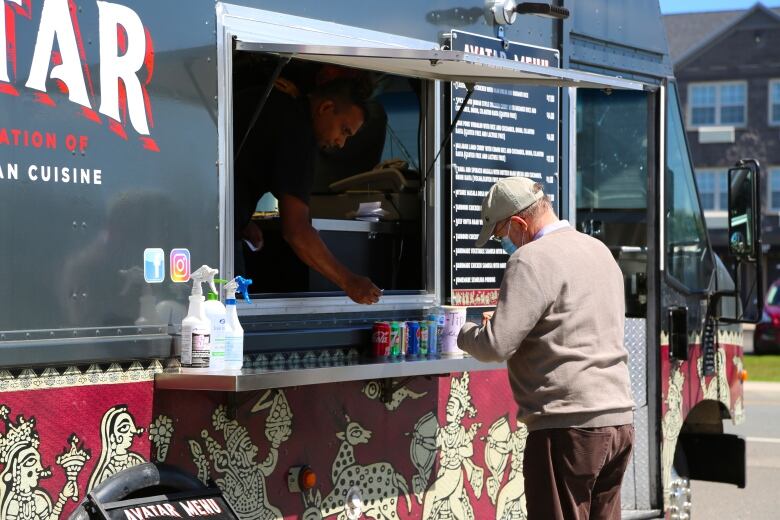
(763, 368)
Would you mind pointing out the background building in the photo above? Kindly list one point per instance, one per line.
(727, 65)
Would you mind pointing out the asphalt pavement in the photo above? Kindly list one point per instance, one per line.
(760, 499)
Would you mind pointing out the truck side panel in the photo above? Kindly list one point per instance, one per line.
(108, 146)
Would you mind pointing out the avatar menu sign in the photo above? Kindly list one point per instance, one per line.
(504, 131)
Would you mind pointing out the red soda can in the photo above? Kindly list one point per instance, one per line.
(380, 339)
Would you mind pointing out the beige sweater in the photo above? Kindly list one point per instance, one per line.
(559, 325)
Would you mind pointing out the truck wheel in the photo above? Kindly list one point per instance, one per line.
(679, 497)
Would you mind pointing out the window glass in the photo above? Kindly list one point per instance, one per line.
(611, 149)
(774, 186)
(706, 183)
(774, 93)
(723, 189)
(771, 297)
(689, 259)
(732, 103)
(718, 104)
(713, 189)
(703, 104)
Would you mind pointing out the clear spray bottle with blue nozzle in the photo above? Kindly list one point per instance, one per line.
(196, 328)
(234, 332)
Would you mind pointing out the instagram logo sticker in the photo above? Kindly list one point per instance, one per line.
(180, 265)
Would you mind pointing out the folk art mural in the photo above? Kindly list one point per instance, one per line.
(684, 385)
(436, 448)
(64, 432)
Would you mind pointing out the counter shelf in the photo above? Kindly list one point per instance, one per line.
(261, 379)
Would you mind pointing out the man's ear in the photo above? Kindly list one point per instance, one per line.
(325, 106)
(520, 221)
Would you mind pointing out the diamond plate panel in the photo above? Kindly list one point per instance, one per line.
(635, 492)
(641, 458)
(635, 341)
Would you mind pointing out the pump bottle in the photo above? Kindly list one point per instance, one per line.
(217, 316)
(195, 328)
(234, 332)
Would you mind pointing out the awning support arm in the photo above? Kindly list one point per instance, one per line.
(469, 92)
(283, 60)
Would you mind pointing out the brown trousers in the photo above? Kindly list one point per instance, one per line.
(575, 473)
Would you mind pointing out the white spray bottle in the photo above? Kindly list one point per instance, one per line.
(195, 328)
(217, 316)
(234, 332)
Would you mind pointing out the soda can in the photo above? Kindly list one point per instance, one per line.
(380, 339)
(438, 319)
(433, 343)
(413, 341)
(395, 339)
(424, 338)
(404, 339)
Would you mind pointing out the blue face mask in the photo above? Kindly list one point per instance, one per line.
(508, 245)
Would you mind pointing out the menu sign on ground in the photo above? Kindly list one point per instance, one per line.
(504, 131)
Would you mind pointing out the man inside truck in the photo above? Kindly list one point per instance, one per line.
(278, 157)
(559, 325)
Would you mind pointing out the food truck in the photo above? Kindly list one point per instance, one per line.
(117, 150)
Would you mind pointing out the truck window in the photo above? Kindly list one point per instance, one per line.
(385, 242)
(612, 159)
(689, 258)
(611, 149)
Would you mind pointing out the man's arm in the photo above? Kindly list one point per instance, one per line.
(521, 303)
(307, 244)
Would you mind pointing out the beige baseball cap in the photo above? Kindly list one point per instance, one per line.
(505, 198)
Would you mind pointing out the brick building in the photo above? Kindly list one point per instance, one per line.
(727, 65)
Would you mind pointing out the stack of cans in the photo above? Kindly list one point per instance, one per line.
(399, 340)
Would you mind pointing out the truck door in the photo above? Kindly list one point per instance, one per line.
(615, 136)
(687, 262)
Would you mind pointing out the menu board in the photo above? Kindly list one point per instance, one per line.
(506, 130)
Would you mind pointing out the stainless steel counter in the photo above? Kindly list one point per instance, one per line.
(260, 379)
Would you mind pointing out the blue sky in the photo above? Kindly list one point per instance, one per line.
(688, 6)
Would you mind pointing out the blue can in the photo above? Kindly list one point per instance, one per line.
(413, 339)
(433, 342)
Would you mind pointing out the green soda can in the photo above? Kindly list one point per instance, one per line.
(424, 338)
(395, 339)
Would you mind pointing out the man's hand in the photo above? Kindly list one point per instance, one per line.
(253, 234)
(362, 290)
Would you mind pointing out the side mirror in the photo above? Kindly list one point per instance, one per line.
(744, 212)
(744, 302)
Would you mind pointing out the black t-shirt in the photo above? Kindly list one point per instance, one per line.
(278, 156)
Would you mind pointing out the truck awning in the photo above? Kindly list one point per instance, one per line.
(443, 65)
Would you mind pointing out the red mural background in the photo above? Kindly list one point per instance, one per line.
(61, 412)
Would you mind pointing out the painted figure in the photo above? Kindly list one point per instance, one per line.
(241, 478)
(502, 443)
(380, 486)
(21, 497)
(117, 433)
(447, 495)
(373, 390)
(739, 408)
(671, 424)
(422, 451)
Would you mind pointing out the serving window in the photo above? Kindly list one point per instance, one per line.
(365, 199)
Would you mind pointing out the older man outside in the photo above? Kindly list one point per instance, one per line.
(559, 324)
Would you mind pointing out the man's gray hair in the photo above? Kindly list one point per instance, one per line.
(538, 208)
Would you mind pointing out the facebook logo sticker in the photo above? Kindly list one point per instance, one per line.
(154, 265)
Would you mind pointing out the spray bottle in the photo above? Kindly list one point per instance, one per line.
(217, 316)
(195, 328)
(234, 332)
